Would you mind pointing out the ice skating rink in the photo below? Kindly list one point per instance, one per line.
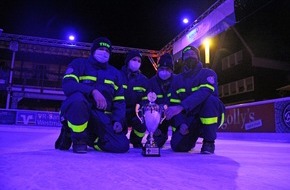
(28, 160)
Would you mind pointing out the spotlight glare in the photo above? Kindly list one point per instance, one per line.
(71, 38)
(185, 20)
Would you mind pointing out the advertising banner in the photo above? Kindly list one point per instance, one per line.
(30, 118)
(264, 116)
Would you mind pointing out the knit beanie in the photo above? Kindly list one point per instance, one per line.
(166, 61)
(101, 42)
(187, 48)
(131, 54)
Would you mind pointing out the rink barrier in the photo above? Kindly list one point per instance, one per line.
(269, 116)
(29, 118)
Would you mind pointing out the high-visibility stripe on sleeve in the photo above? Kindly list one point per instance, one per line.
(92, 78)
(125, 86)
(202, 86)
(116, 98)
(71, 76)
(139, 88)
(180, 90)
(159, 96)
(172, 100)
(106, 81)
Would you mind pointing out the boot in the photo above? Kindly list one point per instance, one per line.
(208, 147)
(79, 147)
(63, 141)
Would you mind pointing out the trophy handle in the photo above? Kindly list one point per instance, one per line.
(164, 116)
(137, 109)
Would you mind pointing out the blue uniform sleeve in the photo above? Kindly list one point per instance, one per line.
(146, 87)
(175, 100)
(207, 86)
(119, 104)
(71, 83)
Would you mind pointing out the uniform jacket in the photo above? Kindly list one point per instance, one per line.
(135, 85)
(161, 88)
(83, 75)
(192, 88)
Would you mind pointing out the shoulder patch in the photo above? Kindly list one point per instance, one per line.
(69, 71)
(210, 79)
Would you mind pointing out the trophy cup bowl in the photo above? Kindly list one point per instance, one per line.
(152, 117)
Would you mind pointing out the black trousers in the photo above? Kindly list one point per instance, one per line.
(78, 110)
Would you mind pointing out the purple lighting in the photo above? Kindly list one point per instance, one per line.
(71, 38)
(185, 21)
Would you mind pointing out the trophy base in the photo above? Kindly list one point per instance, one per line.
(150, 151)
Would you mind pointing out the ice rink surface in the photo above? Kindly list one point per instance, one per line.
(28, 160)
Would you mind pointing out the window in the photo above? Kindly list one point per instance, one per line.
(241, 86)
(250, 83)
(226, 90)
(239, 57)
(237, 87)
(225, 63)
(220, 89)
(233, 88)
(232, 60)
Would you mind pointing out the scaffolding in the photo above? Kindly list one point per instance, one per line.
(30, 44)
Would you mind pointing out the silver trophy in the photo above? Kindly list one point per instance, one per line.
(152, 115)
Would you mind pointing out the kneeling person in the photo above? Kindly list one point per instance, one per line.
(94, 111)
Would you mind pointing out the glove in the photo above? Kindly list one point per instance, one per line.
(183, 129)
(117, 127)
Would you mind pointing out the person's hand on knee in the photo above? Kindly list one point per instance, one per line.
(117, 127)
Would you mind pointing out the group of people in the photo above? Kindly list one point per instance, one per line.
(101, 100)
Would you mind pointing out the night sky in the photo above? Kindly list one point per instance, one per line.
(146, 24)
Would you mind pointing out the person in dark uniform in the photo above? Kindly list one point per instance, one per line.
(135, 85)
(160, 85)
(195, 106)
(93, 113)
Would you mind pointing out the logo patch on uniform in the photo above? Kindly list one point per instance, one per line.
(69, 71)
(210, 79)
